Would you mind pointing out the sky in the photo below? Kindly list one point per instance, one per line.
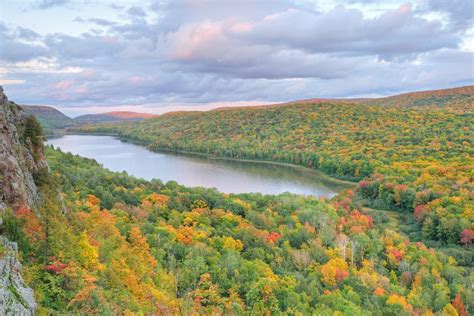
(94, 56)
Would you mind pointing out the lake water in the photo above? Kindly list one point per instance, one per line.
(229, 176)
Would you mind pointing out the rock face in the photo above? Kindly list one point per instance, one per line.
(15, 298)
(20, 159)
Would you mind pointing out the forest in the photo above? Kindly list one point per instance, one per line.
(114, 244)
(237, 158)
(412, 154)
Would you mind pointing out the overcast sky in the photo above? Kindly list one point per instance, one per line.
(157, 56)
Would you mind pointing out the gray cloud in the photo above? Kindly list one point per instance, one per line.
(136, 12)
(26, 34)
(460, 12)
(46, 4)
(102, 22)
(203, 51)
(300, 43)
(15, 46)
(394, 33)
(97, 21)
(84, 49)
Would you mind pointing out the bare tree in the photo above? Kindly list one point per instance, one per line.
(342, 242)
(354, 248)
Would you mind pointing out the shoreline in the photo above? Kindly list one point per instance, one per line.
(332, 181)
(325, 177)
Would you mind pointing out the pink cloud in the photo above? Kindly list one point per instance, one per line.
(136, 79)
(404, 9)
(241, 27)
(195, 37)
(82, 90)
(88, 73)
(109, 39)
(204, 38)
(63, 85)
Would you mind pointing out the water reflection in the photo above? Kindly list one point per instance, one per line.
(228, 176)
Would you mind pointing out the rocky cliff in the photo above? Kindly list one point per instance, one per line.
(15, 297)
(21, 161)
(21, 157)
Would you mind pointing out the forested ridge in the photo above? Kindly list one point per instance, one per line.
(411, 153)
(54, 121)
(120, 245)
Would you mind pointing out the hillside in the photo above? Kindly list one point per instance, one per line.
(21, 161)
(54, 121)
(113, 117)
(114, 244)
(163, 248)
(49, 117)
(461, 97)
(452, 97)
(414, 159)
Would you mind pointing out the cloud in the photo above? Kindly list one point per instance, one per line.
(136, 12)
(11, 81)
(47, 4)
(395, 33)
(15, 45)
(317, 45)
(96, 21)
(102, 22)
(199, 52)
(84, 48)
(26, 34)
(460, 12)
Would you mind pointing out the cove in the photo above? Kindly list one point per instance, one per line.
(228, 176)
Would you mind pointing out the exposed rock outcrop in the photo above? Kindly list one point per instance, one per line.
(15, 298)
(21, 157)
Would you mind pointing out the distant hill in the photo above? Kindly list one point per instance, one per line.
(446, 97)
(116, 116)
(49, 117)
(54, 120)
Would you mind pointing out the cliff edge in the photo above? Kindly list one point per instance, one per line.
(21, 155)
(21, 162)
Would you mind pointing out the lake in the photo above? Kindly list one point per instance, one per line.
(229, 176)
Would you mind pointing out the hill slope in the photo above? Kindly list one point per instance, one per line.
(54, 120)
(49, 117)
(414, 152)
(454, 97)
(113, 117)
(129, 246)
(460, 96)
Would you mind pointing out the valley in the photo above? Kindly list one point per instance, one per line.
(411, 153)
(103, 242)
(237, 158)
